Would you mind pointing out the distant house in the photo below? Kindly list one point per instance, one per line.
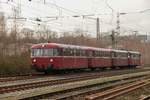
(144, 38)
(28, 33)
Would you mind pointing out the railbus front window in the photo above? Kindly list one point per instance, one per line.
(51, 52)
(36, 52)
(44, 52)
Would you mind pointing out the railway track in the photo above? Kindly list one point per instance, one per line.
(41, 83)
(39, 75)
(145, 97)
(19, 77)
(35, 89)
(80, 92)
(117, 91)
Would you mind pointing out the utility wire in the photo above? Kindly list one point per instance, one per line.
(143, 11)
(112, 10)
(58, 6)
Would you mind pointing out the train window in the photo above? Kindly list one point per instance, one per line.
(37, 52)
(83, 53)
(45, 52)
(107, 54)
(87, 53)
(80, 52)
(77, 52)
(135, 55)
(68, 52)
(104, 54)
(71, 52)
(90, 53)
(122, 55)
(64, 52)
(94, 53)
(113, 54)
(74, 52)
(59, 50)
(55, 52)
(97, 53)
(50, 52)
(100, 53)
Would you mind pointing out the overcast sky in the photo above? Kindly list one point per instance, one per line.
(98, 8)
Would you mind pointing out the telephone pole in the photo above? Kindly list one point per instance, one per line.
(113, 39)
(97, 29)
(97, 25)
(118, 23)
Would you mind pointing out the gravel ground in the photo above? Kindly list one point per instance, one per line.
(133, 95)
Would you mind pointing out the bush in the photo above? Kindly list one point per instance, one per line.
(19, 64)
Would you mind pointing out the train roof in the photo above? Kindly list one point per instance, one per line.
(121, 51)
(57, 45)
(135, 52)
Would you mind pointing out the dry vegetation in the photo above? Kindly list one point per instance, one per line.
(15, 50)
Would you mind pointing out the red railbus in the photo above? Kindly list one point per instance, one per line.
(134, 58)
(47, 57)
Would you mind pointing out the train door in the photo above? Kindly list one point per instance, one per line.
(112, 58)
(129, 58)
(89, 56)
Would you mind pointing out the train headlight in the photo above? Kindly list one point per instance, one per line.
(51, 60)
(34, 60)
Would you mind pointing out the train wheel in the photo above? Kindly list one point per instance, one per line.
(92, 69)
(45, 72)
(113, 68)
(133, 67)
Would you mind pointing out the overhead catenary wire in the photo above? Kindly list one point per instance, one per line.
(60, 7)
(73, 14)
(112, 10)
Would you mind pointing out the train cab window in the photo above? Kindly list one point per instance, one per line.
(44, 52)
(51, 52)
(37, 52)
(48, 52)
(135, 55)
